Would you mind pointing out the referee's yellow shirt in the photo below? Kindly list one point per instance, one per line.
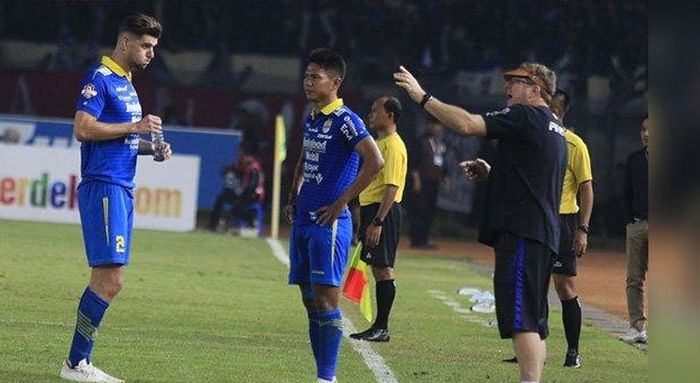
(578, 171)
(394, 173)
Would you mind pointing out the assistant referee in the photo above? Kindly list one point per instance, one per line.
(380, 213)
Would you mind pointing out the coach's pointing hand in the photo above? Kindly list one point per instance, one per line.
(405, 80)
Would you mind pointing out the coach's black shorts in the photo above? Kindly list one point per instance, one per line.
(521, 281)
(565, 261)
(384, 254)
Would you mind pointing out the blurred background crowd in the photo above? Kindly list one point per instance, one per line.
(235, 64)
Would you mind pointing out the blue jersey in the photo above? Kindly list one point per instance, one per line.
(330, 160)
(107, 94)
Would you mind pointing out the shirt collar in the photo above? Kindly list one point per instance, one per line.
(114, 67)
(330, 108)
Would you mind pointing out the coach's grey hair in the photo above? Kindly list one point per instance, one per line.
(548, 77)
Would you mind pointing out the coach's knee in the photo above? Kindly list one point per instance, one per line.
(564, 285)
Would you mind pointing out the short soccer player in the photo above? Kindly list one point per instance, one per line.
(325, 180)
(108, 122)
(380, 213)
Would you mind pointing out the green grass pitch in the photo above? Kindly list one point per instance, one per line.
(200, 307)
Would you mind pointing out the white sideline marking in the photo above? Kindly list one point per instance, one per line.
(278, 251)
(372, 359)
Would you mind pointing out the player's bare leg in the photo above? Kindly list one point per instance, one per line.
(530, 351)
(107, 281)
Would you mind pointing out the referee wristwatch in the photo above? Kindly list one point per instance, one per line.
(377, 221)
(584, 228)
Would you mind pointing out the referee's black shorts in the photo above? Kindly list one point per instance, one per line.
(565, 261)
(521, 282)
(384, 254)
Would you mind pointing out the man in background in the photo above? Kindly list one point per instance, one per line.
(380, 213)
(637, 248)
(427, 174)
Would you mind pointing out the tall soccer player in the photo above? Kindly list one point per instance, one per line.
(108, 123)
(325, 180)
(380, 213)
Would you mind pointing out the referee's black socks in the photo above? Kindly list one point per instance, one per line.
(386, 290)
(571, 316)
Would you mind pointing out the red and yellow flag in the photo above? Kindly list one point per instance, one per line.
(356, 286)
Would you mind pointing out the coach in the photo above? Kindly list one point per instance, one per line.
(521, 220)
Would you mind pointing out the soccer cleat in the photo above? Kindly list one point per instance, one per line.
(372, 335)
(572, 359)
(633, 336)
(513, 360)
(86, 372)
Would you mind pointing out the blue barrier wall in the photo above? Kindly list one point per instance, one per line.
(215, 148)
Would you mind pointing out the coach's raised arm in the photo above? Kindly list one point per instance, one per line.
(452, 116)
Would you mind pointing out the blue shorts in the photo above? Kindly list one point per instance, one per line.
(107, 215)
(318, 254)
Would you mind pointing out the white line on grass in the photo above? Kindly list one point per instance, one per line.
(372, 359)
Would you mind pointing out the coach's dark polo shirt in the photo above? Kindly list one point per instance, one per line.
(524, 186)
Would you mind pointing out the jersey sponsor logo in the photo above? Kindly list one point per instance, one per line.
(121, 88)
(133, 107)
(497, 112)
(318, 178)
(317, 272)
(327, 126)
(315, 146)
(554, 127)
(310, 167)
(88, 91)
(311, 156)
(324, 136)
(124, 98)
(132, 141)
(348, 128)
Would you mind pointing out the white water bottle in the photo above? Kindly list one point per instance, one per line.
(158, 146)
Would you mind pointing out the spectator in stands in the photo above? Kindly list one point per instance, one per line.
(427, 174)
(244, 186)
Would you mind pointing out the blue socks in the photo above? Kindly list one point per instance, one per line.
(325, 332)
(91, 309)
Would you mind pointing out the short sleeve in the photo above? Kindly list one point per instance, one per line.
(92, 96)
(394, 164)
(581, 163)
(506, 123)
(353, 129)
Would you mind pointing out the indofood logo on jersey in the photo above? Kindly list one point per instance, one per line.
(315, 146)
(45, 192)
